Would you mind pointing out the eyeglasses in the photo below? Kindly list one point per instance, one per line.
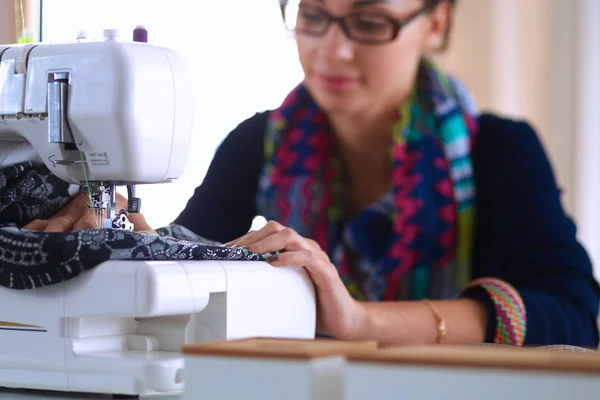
(361, 27)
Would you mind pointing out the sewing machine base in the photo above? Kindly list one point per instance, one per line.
(119, 328)
(137, 375)
(31, 393)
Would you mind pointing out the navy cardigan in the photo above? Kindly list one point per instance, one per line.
(522, 235)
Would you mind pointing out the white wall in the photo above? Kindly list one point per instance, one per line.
(539, 60)
(517, 58)
(7, 22)
(533, 59)
(242, 58)
(587, 143)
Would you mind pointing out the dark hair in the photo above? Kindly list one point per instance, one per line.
(433, 4)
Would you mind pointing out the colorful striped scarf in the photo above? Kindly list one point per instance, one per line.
(425, 251)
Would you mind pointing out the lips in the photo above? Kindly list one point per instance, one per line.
(336, 82)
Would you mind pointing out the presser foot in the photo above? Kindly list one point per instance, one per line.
(103, 204)
(120, 221)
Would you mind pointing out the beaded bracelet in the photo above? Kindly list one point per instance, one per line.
(511, 317)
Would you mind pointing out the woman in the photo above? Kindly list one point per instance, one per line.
(378, 176)
(445, 212)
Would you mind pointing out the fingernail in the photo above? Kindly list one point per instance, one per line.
(234, 243)
(272, 258)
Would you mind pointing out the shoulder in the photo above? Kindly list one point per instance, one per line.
(258, 120)
(241, 153)
(500, 131)
(242, 149)
(249, 131)
(509, 159)
(515, 144)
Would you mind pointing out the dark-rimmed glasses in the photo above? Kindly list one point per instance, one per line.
(361, 27)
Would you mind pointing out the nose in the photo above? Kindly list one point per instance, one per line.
(336, 44)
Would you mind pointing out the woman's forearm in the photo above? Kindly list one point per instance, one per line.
(413, 322)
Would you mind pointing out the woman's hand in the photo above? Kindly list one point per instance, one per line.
(77, 216)
(338, 314)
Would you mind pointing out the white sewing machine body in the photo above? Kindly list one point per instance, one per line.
(119, 328)
(122, 112)
(126, 106)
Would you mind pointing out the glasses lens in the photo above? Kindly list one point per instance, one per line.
(361, 27)
(370, 28)
(289, 9)
(305, 19)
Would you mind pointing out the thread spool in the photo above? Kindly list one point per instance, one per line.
(81, 35)
(140, 34)
(111, 35)
(26, 36)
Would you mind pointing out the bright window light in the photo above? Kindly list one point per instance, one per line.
(243, 61)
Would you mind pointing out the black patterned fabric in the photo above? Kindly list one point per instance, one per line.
(33, 259)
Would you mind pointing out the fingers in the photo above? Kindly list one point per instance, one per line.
(78, 213)
(37, 225)
(234, 242)
(313, 244)
(122, 202)
(78, 207)
(75, 202)
(84, 224)
(285, 239)
(274, 237)
(250, 237)
(321, 271)
(63, 223)
(77, 216)
(73, 217)
(139, 222)
(67, 218)
(60, 224)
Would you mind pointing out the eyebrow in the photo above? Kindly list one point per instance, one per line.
(362, 3)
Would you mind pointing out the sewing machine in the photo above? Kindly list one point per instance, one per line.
(103, 114)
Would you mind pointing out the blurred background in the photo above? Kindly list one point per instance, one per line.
(537, 60)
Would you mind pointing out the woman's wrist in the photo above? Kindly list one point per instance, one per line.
(387, 323)
(361, 321)
(367, 322)
(413, 322)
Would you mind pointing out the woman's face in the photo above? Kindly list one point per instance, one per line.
(348, 77)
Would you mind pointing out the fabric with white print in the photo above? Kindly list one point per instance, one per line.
(33, 259)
